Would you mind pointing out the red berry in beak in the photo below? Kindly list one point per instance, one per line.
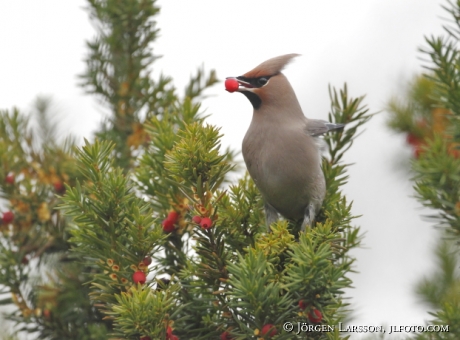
(231, 84)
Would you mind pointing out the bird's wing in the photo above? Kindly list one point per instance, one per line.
(315, 127)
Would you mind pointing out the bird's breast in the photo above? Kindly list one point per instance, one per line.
(284, 163)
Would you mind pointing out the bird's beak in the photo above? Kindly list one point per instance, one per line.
(243, 85)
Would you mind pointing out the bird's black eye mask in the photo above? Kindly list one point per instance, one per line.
(255, 82)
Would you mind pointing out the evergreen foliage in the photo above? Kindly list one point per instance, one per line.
(222, 289)
(37, 273)
(430, 115)
(437, 180)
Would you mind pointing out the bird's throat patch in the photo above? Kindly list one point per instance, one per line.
(253, 98)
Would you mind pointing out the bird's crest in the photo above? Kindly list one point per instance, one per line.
(271, 67)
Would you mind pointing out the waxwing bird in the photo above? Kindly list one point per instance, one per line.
(281, 148)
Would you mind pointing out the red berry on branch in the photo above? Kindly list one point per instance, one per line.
(169, 335)
(139, 277)
(418, 149)
(412, 139)
(231, 84)
(59, 187)
(454, 153)
(9, 179)
(206, 223)
(147, 260)
(225, 336)
(302, 304)
(168, 225)
(8, 217)
(416, 143)
(268, 329)
(315, 316)
(196, 219)
(173, 216)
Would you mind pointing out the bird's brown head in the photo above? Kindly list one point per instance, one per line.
(265, 83)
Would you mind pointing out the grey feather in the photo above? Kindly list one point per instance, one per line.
(315, 127)
(271, 215)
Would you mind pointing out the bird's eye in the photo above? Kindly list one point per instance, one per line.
(262, 81)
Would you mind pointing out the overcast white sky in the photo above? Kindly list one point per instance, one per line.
(370, 44)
